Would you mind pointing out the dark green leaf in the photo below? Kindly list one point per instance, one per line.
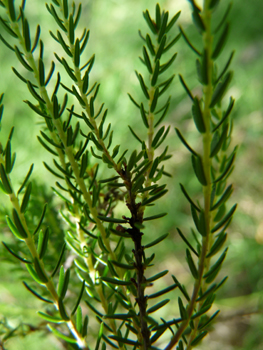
(164, 20)
(198, 116)
(62, 310)
(191, 264)
(20, 228)
(159, 239)
(186, 88)
(172, 43)
(188, 198)
(198, 20)
(221, 89)
(155, 73)
(153, 198)
(225, 219)
(160, 48)
(11, 9)
(15, 255)
(143, 86)
(172, 21)
(217, 244)
(7, 28)
(147, 60)
(162, 292)
(34, 93)
(199, 170)
(21, 59)
(157, 276)
(116, 281)
(52, 11)
(198, 338)
(183, 312)
(50, 318)
(61, 335)
(150, 22)
(39, 271)
(158, 306)
(221, 42)
(188, 42)
(46, 146)
(226, 114)
(134, 134)
(59, 260)
(150, 44)
(26, 198)
(216, 265)
(26, 35)
(154, 100)
(187, 242)
(143, 115)
(123, 266)
(36, 294)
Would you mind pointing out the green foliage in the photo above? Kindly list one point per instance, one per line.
(107, 275)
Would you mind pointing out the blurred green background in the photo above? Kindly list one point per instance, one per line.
(114, 39)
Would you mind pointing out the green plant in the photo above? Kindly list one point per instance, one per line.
(114, 277)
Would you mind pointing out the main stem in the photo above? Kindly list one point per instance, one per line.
(206, 160)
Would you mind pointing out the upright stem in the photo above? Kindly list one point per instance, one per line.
(206, 161)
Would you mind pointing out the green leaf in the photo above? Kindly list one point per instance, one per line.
(26, 35)
(125, 340)
(198, 338)
(62, 310)
(15, 255)
(160, 48)
(147, 60)
(158, 306)
(191, 264)
(225, 219)
(93, 308)
(5, 181)
(158, 136)
(221, 42)
(26, 198)
(155, 73)
(34, 93)
(123, 266)
(221, 89)
(198, 20)
(162, 292)
(166, 65)
(8, 158)
(150, 44)
(153, 198)
(217, 244)
(198, 116)
(63, 283)
(154, 100)
(132, 161)
(22, 60)
(183, 312)
(143, 86)
(11, 9)
(172, 22)
(36, 294)
(52, 11)
(186, 87)
(116, 281)
(223, 198)
(199, 170)
(187, 242)
(216, 265)
(188, 42)
(43, 244)
(226, 114)
(201, 312)
(188, 198)
(7, 28)
(154, 217)
(164, 20)
(150, 22)
(156, 241)
(65, 8)
(50, 318)
(225, 68)
(172, 43)
(61, 335)
(157, 276)
(19, 225)
(39, 271)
